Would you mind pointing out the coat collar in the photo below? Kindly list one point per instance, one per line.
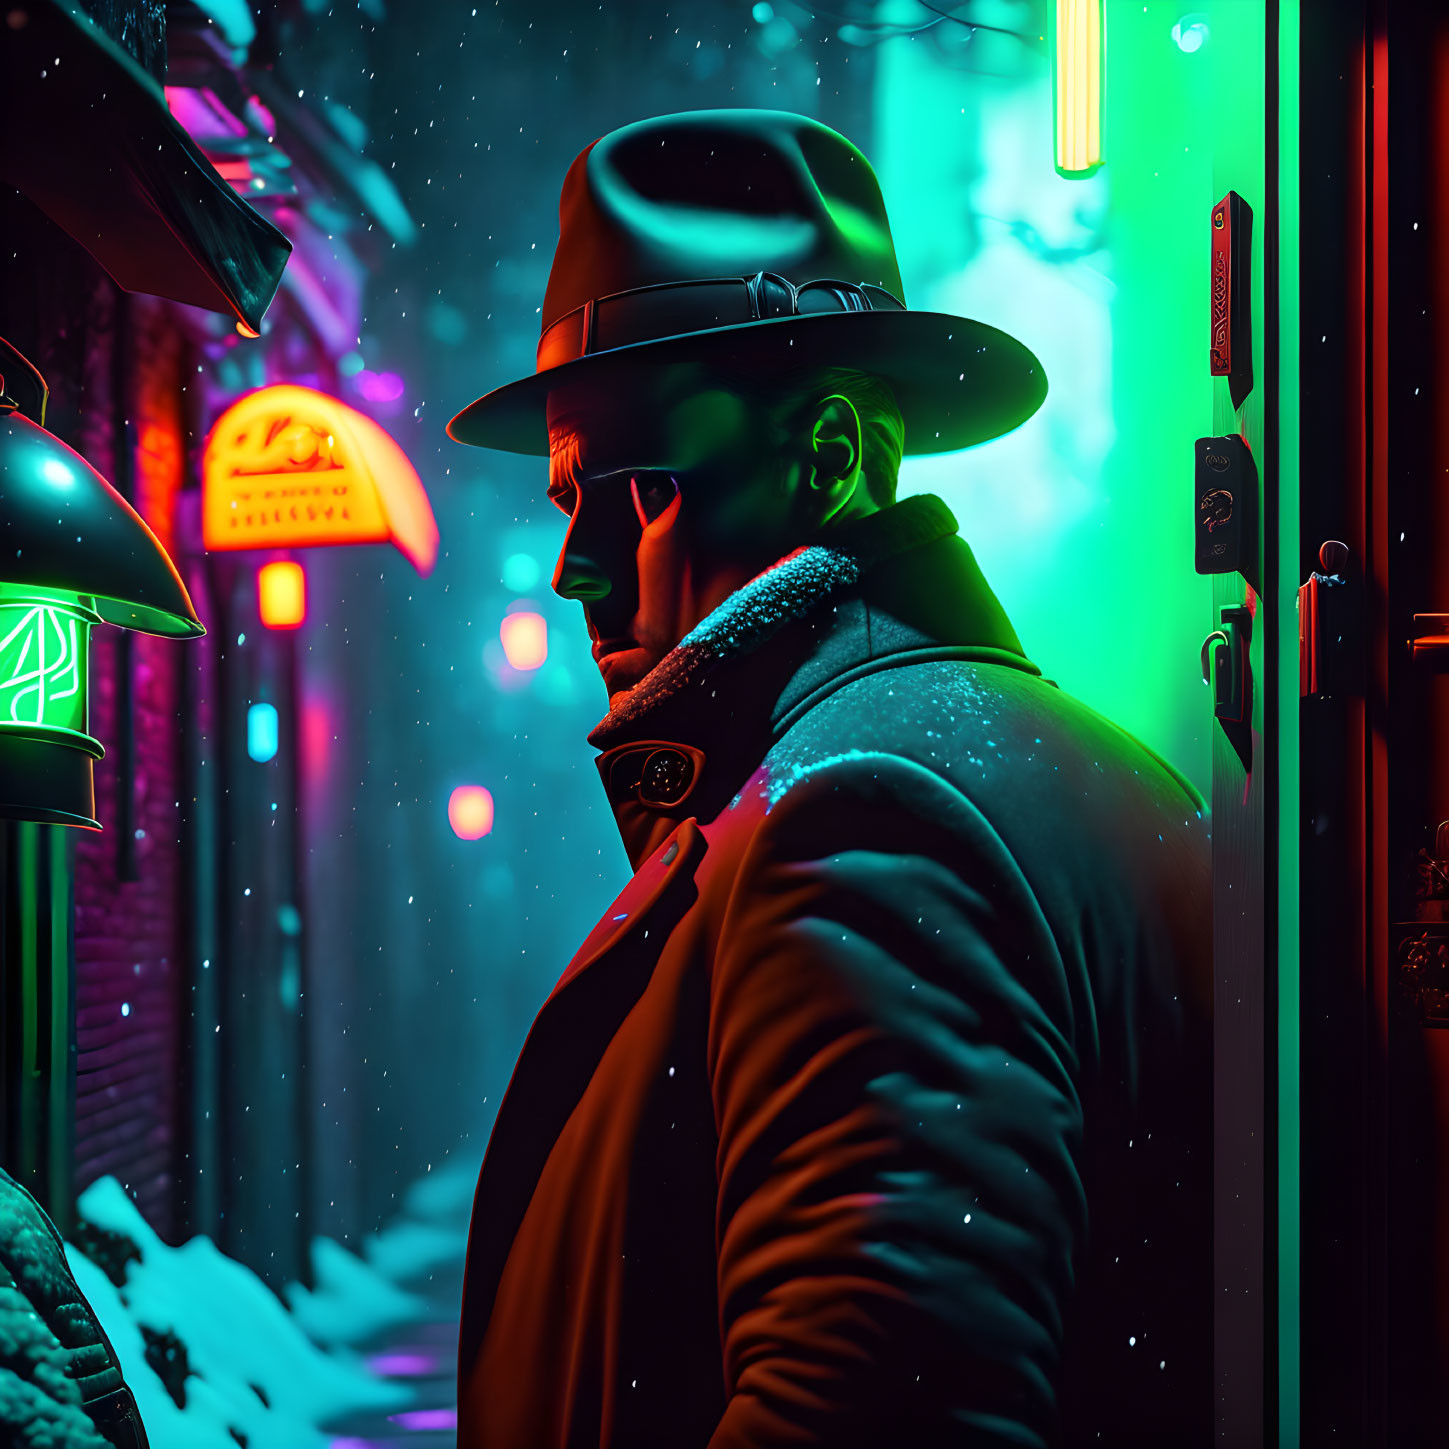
(684, 739)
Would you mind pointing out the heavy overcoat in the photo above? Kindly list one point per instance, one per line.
(876, 1109)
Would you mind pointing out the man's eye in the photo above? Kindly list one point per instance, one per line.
(654, 493)
(562, 499)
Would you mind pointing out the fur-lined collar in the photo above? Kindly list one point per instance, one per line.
(785, 591)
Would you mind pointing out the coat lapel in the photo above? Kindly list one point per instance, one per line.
(635, 905)
(573, 1027)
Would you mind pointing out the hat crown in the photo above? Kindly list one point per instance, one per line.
(719, 193)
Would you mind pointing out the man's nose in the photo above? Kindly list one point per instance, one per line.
(578, 574)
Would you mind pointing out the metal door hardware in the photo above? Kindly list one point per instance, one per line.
(1207, 677)
(1231, 350)
(1230, 676)
(1429, 641)
(1225, 493)
(1328, 625)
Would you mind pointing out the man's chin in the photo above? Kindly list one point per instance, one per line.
(623, 669)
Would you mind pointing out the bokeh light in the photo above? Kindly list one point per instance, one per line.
(525, 639)
(378, 387)
(262, 732)
(1191, 33)
(520, 572)
(470, 812)
(282, 594)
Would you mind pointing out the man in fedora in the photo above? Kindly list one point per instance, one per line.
(876, 1110)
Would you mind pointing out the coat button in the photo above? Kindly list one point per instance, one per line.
(666, 778)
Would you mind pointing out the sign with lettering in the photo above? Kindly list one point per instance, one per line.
(291, 467)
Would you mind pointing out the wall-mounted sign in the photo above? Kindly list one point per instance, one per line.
(290, 467)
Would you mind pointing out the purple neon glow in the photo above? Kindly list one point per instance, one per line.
(404, 1365)
(426, 1419)
(204, 116)
(379, 387)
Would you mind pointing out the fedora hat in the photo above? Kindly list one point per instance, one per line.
(748, 237)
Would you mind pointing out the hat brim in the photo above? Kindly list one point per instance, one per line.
(957, 382)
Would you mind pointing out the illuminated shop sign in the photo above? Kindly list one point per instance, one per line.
(290, 467)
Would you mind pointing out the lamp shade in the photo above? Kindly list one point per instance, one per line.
(62, 526)
(73, 553)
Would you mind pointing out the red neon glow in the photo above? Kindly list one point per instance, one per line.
(282, 595)
(470, 812)
(525, 639)
(318, 734)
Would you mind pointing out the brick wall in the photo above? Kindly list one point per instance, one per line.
(127, 933)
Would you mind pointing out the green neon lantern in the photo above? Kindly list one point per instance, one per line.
(73, 554)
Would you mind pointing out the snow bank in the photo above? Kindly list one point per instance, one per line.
(352, 1302)
(253, 1368)
(359, 1299)
(430, 1235)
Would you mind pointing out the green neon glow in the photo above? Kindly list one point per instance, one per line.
(44, 638)
(1078, 515)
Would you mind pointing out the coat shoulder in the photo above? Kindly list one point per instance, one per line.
(1008, 740)
(1114, 842)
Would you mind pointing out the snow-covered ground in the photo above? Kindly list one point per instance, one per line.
(363, 1358)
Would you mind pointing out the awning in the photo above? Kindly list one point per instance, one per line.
(94, 146)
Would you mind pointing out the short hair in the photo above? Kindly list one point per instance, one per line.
(793, 386)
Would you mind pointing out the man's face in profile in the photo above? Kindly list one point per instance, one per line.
(677, 492)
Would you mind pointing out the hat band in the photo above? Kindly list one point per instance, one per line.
(670, 309)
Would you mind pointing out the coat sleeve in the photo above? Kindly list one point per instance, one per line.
(899, 1124)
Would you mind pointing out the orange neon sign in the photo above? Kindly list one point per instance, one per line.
(290, 467)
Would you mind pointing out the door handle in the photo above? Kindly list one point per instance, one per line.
(1207, 677)
(1230, 677)
(1232, 688)
(1329, 613)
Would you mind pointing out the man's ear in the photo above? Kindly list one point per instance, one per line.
(833, 460)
